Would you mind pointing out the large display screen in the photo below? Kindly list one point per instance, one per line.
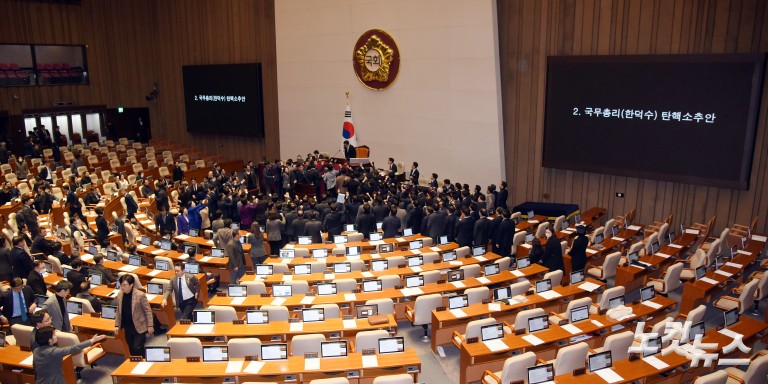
(224, 99)
(682, 118)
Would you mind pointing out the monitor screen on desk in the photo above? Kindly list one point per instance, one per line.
(342, 267)
(302, 269)
(190, 249)
(363, 311)
(408, 232)
(386, 248)
(543, 285)
(577, 276)
(701, 271)
(309, 315)
(194, 232)
(414, 281)
(655, 247)
(339, 239)
(523, 262)
(192, 268)
(616, 302)
(165, 244)
(579, 313)
(456, 275)
(74, 307)
(155, 288)
(111, 255)
(647, 293)
(203, 317)
(458, 301)
(320, 253)
(633, 258)
(653, 347)
(379, 265)
(379, 224)
(529, 237)
(731, 317)
(217, 252)
(215, 353)
(263, 269)
(671, 237)
(305, 240)
(565, 225)
(349, 227)
(615, 230)
(696, 329)
(256, 317)
(416, 244)
(161, 265)
(274, 351)
(372, 285)
(600, 361)
(491, 269)
(531, 214)
(541, 374)
(392, 344)
(478, 251)
(108, 312)
(375, 236)
(96, 279)
(353, 251)
(598, 238)
(281, 290)
(40, 300)
(287, 253)
(65, 270)
(157, 354)
(325, 289)
(237, 291)
(134, 260)
(333, 348)
(442, 240)
(538, 323)
(235, 226)
(93, 250)
(501, 293)
(491, 332)
(243, 239)
(48, 267)
(415, 261)
(145, 240)
(449, 256)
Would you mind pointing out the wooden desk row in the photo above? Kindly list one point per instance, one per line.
(365, 257)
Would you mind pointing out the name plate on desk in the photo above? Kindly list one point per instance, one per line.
(135, 359)
(193, 359)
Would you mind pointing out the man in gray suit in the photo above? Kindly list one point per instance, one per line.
(47, 358)
(184, 288)
(56, 306)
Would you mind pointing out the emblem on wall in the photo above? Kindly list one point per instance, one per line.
(376, 59)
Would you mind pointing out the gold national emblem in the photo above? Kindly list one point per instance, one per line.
(376, 59)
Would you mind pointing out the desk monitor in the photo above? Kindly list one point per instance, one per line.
(577, 218)
(75, 307)
(491, 269)
(281, 290)
(579, 313)
(200, 316)
(274, 351)
(349, 228)
(339, 239)
(190, 249)
(155, 288)
(165, 244)
(342, 267)
(333, 348)
(65, 270)
(48, 267)
(325, 289)
(416, 244)
(375, 236)
(502, 293)
(302, 269)
(671, 237)
(108, 312)
(442, 240)
(577, 276)
(392, 344)
(192, 268)
(217, 252)
(598, 238)
(340, 198)
(243, 239)
(309, 315)
(234, 290)
(600, 361)
(379, 224)
(363, 311)
(653, 347)
(731, 317)
(96, 279)
(633, 258)
(353, 251)
(615, 302)
(696, 329)
(449, 256)
(379, 265)
(194, 232)
(456, 275)
(162, 265)
(655, 247)
(615, 230)
(235, 226)
(40, 300)
(256, 317)
(287, 253)
(565, 225)
(134, 260)
(647, 293)
(372, 285)
(215, 353)
(414, 281)
(523, 262)
(530, 214)
(543, 285)
(529, 237)
(157, 354)
(415, 261)
(627, 223)
(111, 255)
(701, 271)
(408, 232)
(320, 253)
(145, 240)
(538, 323)
(92, 249)
(263, 269)
(385, 248)
(305, 240)
(458, 301)
(478, 250)
(492, 332)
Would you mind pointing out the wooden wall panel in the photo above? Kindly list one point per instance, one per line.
(531, 30)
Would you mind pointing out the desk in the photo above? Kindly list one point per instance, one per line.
(89, 325)
(398, 241)
(366, 257)
(550, 210)
(444, 323)
(280, 371)
(17, 366)
(165, 315)
(476, 357)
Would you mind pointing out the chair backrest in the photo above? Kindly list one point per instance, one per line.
(556, 276)
(519, 288)
(762, 287)
(424, 306)
(299, 287)
(672, 277)
(11, 177)
(224, 313)
(369, 339)
(55, 265)
(619, 344)
(402, 378)
(576, 303)
(571, 357)
(389, 281)
(558, 224)
(649, 242)
(541, 228)
(717, 377)
(608, 231)
(330, 380)
(356, 265)
(610, 264)
(476, 295)
(353, 237)
(181, 347)
(426, 241)
(430, 276)
(518, 239)
(254, 287)
(385, 305)
(396, 261)
(242, 347)
(137, 283)
(330, 311)
(345, 285)
(515, 367)
(504, 263)
(598, 230)
(521, 320)
(471, 270)
(474, 326)
(636, 247)
(757, 371)
(276, 312)
(462, 252)
(67, 339)
(300, 252)
(609, 294)
(663, 233)
(22, 334)
(301, 344)
(747, 295)
(87, 307)
(430, 257)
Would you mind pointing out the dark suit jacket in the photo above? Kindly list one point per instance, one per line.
(436, 224)
(106, 274)
(481, 232)
(313, 228)
(501, 198)
(22, 262)
(73, 201)
(366, 223)
(102, 229)
(579, 253)
(350, 152)
(390, 226)
(6, 264)
(463, 232)
(332, 224)
(553, 255)
(36, 282)
(30, 219)
(77, 278)
(130, 204)
(7, 300)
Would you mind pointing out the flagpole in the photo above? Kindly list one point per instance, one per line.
(347, 93)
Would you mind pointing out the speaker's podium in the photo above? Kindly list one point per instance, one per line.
(359, 162)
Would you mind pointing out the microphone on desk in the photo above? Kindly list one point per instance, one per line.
(337, 152)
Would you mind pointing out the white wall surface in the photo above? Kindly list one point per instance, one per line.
(442, 111)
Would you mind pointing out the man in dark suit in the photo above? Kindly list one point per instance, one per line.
(41, 245)
(184, 288)
(436, 224)
(29, 216)
(18, 303)
(314, 227)
(299, 224)
(391, 224)
(6, 263)
(75, 208)
(78, 276)
(333, 221)
(502, 196)
(481, 231)
(46, 174)
(35, 278)
(22, 262)
(164, 222)
(106, 273)
(502, 238)
(102, 226)
(414, 175)
(92, 197)
(349, 150)
(131, 206)
(463, 230)
(366, 222)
